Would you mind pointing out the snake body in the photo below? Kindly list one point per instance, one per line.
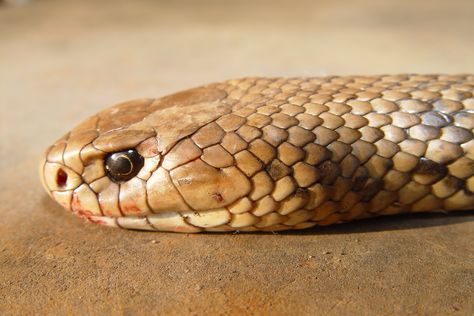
(274, 154)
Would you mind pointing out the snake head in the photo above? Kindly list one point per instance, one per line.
(83, 171)
(116, 164)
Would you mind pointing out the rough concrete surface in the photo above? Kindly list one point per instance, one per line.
(61, 61)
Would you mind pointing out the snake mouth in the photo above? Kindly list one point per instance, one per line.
(183, 222)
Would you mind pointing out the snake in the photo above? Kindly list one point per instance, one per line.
(271, 154)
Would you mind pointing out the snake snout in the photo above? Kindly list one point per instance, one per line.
(58, 177)
(59, 181)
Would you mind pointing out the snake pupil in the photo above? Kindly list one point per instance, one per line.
(124, 165)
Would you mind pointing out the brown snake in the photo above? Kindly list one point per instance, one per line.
(271, 154)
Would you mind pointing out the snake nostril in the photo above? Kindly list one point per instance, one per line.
(61, 178)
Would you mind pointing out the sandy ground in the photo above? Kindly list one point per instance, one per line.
(61, 61)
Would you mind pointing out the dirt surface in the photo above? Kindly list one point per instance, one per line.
(61, 61)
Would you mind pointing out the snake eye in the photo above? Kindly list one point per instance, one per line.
(124, 165)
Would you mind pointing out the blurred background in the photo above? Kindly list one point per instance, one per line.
(75, 57)
(71, 58)
(61, 61)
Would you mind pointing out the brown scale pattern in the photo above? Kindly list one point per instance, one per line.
(285, 153)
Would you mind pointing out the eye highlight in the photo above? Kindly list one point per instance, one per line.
(124, 165)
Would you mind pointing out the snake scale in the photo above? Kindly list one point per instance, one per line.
(271, 154)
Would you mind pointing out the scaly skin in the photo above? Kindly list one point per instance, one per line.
(274, 154)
